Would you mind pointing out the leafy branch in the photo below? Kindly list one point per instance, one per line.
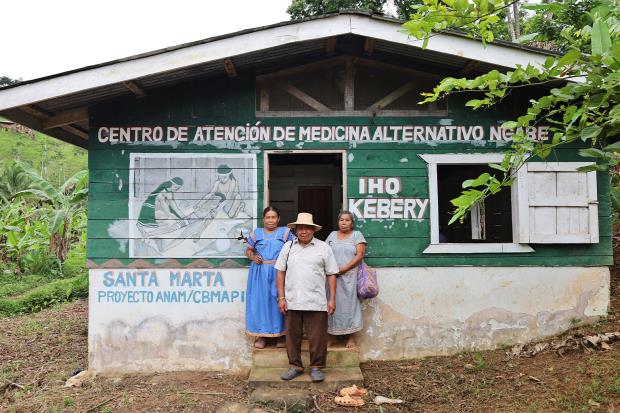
(586, 109)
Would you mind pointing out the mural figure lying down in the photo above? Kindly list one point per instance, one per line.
(178, 220)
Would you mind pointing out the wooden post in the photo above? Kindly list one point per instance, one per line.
(349, 85)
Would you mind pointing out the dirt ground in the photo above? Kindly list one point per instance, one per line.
(38, 352)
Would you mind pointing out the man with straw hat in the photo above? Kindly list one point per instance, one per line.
(303, 267)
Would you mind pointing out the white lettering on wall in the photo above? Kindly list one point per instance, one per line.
(385, 208)
(263, 133)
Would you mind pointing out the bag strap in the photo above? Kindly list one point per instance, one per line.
(285, 235)
(253, 235)
(287, 255)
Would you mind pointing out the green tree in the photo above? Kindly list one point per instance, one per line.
(306, 8)
(7, 81)
(403, 9)
(583, 106)
(300, 9)
(546, 26)
(65, 206)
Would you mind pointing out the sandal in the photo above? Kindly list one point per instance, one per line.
(353, 391)
(260, 343)
(349, 401)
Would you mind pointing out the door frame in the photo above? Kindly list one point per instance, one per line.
(266, 153)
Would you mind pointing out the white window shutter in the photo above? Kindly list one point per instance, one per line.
(555, 204)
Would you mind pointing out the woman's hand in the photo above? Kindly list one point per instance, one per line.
(331, 306)
(253, 255)
(282, 305)
(342, 270)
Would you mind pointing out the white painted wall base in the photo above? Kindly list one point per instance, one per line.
(178, 330)
(443, 310)
(419, 312)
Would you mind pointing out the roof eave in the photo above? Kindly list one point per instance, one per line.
(16, 97)
(250, 41)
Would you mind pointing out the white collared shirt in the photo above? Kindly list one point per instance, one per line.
(306, 272)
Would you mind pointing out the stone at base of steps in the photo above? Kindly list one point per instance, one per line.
(289, 399)
(335, 378)
(235, 407)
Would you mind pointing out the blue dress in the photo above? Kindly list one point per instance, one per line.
(262, 315)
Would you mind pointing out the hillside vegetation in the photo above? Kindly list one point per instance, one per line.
(43, 190)
(54, 160)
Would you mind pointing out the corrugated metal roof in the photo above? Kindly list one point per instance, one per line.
(257, 62)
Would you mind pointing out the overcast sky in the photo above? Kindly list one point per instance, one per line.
(44, 37)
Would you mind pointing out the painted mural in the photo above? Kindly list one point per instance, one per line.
(190, 205)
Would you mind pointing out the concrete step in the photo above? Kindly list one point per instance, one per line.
(335, 378)
(337, 356)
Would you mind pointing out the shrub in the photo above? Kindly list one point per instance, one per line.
(42, 262)
(76, 261)
(56, 292)
(10, 285)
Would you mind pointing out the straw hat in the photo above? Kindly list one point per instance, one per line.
(304, 218)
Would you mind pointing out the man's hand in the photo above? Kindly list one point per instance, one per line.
(282, 306)
(331, 306)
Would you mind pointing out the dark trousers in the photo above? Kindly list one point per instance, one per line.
(315, 323)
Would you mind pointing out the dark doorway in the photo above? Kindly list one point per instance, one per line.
(302, 182)
(317, 200)
(490, 221)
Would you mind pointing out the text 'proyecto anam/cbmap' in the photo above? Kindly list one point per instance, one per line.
(262, 133)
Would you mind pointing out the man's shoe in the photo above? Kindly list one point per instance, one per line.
(291, 373)
(317, 375)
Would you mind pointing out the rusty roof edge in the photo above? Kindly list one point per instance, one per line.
(260, 28)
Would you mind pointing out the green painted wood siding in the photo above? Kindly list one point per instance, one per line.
(390, 242)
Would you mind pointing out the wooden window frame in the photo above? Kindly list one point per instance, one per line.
(267, 153)
(320, 110)
(435, 247)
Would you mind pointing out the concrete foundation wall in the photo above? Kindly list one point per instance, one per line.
(189, 319)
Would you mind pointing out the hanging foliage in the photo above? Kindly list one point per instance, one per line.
(584, 87)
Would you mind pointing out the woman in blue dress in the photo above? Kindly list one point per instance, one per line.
(262, 315)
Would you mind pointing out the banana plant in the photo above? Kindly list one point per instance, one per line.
(62, 204)
(13, 179)
(23, 230)
(18, 244)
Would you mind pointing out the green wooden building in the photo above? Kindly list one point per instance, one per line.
(188, 144)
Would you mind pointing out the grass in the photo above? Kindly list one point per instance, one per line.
(479, 362)
(21, 294)
(615, 386)
(47, 295)
(10, 285)
(54, 159)
(31, 327)
(9, 370)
